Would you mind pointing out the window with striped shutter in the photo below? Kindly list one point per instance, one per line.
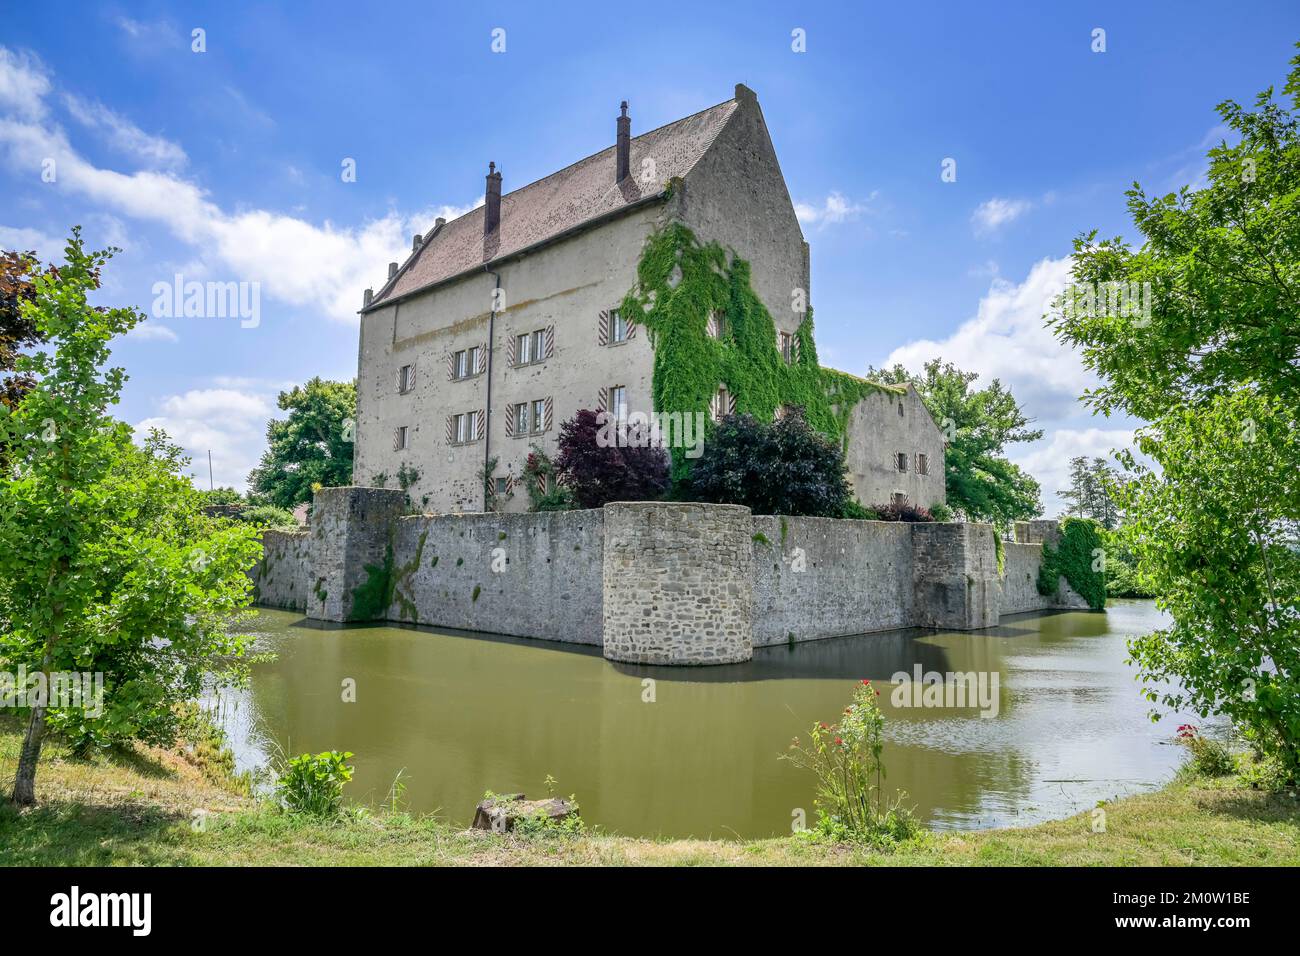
(511, 411)
(480, 360)
(481, 424)
(602, 328)
(550, 341)
(602, 400)
(512, 350)
(451, 429)
(549, 410)
(451, 366)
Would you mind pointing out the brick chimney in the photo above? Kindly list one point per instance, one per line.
(623, 151)
(492, 201)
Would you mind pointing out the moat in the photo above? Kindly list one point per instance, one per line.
(458, 713)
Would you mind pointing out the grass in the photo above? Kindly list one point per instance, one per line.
(137, 807)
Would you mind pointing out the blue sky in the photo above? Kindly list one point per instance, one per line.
(225, 165)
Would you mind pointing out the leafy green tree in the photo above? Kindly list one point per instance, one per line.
(981, 484)
(103, 546)
(312, 446)
(1213, 365)
(784, 467)
(1089, 494)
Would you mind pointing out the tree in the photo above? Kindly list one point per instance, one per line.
(1211, 359)
(785, 467)
(981, 484)
(17, 332)
(597, 467)
(311, 446)
(103, 546)
(1089, 494)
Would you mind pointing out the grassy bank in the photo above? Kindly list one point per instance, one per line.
(138, 808)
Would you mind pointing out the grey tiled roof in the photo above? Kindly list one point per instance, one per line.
(562, 201)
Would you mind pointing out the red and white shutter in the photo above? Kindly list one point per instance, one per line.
(451, 366)
(512, 351)
(510, 421)
(480, 421)
(548, 413)
(602, 400)
(550, 341)
(451, 429)
(630, 331)
(480, 360)
(602, 331)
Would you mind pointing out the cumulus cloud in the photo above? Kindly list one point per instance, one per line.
(231, 423)
(1006, 339)
(21, 239)
(992, 214)
(153, 332)
(24, 84)
(834, 208)
(1049, 460)
(323, 266)
(124, 135)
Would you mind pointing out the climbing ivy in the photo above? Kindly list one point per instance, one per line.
(680, 283)
(1076, 559)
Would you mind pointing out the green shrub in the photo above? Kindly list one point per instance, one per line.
(1209, 757)
(846, 760)
(855, 509)
(313, 784)
(1079, 559)
(940, 511)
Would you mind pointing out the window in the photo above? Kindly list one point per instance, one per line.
(463, 425)
(520, 413)
(717, 324)
(399, 438)
(786, 341)
(618, 402)
(900, 409)
(721, 404)
(900, 461)
(922, 464)
(524, 349)
(539, 415)
(899, 498)
(617, 326)
(539, 345)
(503, 486)
(406, 378)
(461, 364)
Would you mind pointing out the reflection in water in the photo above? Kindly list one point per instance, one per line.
(463, 713)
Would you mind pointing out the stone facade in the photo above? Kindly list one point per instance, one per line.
(678, 583)
(650, 582)
(716, 172)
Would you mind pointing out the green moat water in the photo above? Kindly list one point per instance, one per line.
(462, 713)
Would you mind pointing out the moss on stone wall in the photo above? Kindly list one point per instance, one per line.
(1075, 560)
(680, 283)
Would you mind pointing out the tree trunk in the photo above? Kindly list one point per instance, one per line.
(25, 779)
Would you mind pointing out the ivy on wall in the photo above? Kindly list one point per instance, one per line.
(1075, 560)
(680, 283)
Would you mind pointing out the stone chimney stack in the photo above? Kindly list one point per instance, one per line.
(367, 298)
(623, 151)
(392, 270)
(415, 242)
(492, 201)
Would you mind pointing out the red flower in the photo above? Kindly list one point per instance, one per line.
(839, 741)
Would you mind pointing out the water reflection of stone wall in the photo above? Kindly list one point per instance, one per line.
(653, 582)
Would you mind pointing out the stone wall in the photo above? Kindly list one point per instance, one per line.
(280, 578)
(825, 577)
(653, 582)
(678, 583)
(529, 575)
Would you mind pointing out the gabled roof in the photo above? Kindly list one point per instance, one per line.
(563, 201)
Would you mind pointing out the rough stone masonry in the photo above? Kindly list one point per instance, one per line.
(650, 582)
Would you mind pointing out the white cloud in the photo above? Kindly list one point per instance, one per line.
(228, 422)
(23, 84)
(321, 267)
(1007, 339)
(124, 135)
(993, 214)
(834, 208)
(152, 332)
(21, 239)
(1049, 460)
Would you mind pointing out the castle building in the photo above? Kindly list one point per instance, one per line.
(503, 323)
